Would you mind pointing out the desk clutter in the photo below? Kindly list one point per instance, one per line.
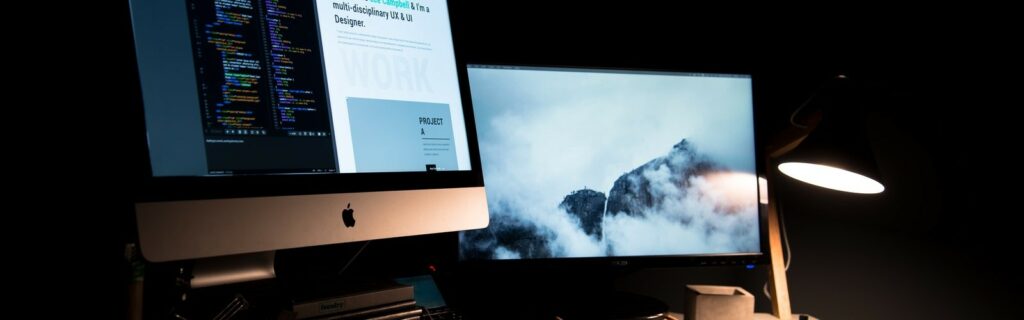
(411, 298)
(387, 302)
(706, 302)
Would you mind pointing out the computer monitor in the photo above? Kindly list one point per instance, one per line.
(282, 124)
(591, 167)
(587, 163)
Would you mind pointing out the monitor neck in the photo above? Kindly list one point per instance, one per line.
(208, 272)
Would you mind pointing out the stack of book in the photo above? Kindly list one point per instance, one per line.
(387, 302)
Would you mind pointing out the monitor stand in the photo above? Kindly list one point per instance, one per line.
(170, 287)
(208, 272)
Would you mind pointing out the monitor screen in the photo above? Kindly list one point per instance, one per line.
(278, 124)
(591, 163)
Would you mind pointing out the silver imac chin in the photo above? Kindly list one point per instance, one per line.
(177, 230)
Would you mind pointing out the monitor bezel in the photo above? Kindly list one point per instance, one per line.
(645, 261)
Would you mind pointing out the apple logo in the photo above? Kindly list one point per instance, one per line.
(346, 216)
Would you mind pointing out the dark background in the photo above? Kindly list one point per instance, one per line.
(940, 243)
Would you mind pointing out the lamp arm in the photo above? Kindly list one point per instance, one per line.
(791, 137)
(777, 283)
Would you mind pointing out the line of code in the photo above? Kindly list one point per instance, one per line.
(295, 98)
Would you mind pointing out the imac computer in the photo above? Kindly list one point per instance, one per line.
(276, 124)
(590, 168)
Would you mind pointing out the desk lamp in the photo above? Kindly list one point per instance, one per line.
(827, 150)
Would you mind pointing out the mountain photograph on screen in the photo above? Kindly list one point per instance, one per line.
(597, 163)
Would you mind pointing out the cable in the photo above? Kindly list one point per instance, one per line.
(792, 116)
(787, 253)
(785, 238)
(353, 258)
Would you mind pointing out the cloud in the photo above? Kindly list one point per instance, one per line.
(703, 216)
(503, 253)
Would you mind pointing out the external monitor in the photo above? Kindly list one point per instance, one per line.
(589, 163)
(278, 124)
(590, 167)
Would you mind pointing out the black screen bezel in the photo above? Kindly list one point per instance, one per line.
(629, 262)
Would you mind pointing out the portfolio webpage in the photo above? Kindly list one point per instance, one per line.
(279, 86)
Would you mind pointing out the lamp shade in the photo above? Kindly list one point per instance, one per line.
(836, 153)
